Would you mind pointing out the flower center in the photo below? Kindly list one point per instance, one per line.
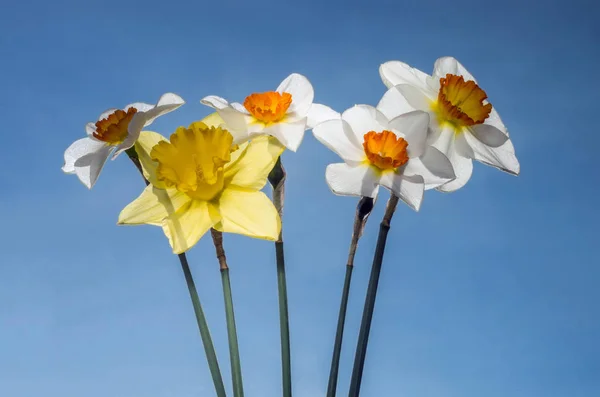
(268, 107)
(113, 129)
(385, 150)
(193, 160)
(460, 102)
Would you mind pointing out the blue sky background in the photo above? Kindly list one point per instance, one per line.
(490, 291)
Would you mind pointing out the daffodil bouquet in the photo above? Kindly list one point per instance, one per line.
(423, 134)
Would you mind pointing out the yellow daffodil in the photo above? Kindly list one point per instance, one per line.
(200, 180)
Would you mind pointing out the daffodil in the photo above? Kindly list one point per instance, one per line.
(200, 180)
(377, 151)
(463, 124)
(284, 113)
(115, 131)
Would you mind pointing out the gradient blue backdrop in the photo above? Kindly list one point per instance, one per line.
(490, 291)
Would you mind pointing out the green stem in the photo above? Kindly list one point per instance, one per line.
(365, 325)
(277, 180)
(363, 209)
(234, 353)
(209, 348)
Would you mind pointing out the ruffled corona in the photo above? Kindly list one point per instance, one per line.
(113, 129)
(268, 107)
(461, 102)
(385, 150)
(194, 159)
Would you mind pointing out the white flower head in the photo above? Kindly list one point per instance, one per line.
(284, 113)
(463, 124)
(115, 131)
(377, 151)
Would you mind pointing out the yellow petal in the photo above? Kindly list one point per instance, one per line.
(213, 120)
(186, 226)
(143, 147)
(152, 206)
(249, 213)
(252, 167)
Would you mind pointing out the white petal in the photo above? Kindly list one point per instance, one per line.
(86, 157)
(395, 72)
(133, 133)
(489, 135)
(320, 113)
(345, 180)
(302, 93)
(416, 98)
(463, 166)
(106, 113)
(90, 129)
(433, 166)
(393, 104)
(167, 103)
(139, 106)
(236, 121)
(502, 157)
(289, 135)
(364, 118)
(445, 65)
(495, 120)
(413, 126)
(338, 136)
(409, 189)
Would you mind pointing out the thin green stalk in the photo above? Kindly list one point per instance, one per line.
(363, 209)
(234, 353)
(365, 326)
(211, 356)
(209, 348)
(277, 180)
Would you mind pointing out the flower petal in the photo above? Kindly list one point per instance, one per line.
(186, 226)
(139, 106)
(289, 134)
(85, 158)
(153, 206)
(416, 98)
(502, 157)
(409, 189)
(338, 136)
(453, 146)
(236, 122)
(133, 133)
(393, 104)
(106, 113)
(143, 147)
(433, 166)
(364, 118)
(254, 164)
(346, 180)
(213, 120)
(445, 65)
(90, 129)
(249, 213)
(167, 103)
(489, 135)
(414, 126)
(395, 72)
(302, 93)
(320, 113)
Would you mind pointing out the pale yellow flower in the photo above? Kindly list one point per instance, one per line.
(200, 180)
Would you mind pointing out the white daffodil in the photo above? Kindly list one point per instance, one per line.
(377, 151)
(285, 113)
(115, 131)
(463, 125)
